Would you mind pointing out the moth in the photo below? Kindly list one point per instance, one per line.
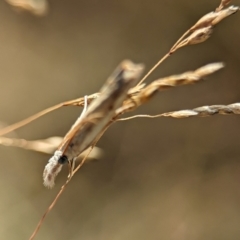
(93, 119)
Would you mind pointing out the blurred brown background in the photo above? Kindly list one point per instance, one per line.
(159, 178)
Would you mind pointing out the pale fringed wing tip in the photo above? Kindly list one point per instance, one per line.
(52, 169)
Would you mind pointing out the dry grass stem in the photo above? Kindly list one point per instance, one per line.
(47, 146)
(168, 82)
(58, 195)
(204, 111)
(198, 36)
(201, 30)
(88, 152)
(38, 8)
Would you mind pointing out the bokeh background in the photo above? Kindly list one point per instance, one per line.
(158, 178)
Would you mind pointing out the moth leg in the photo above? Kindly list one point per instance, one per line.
(71, 166)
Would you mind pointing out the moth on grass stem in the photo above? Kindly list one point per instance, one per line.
(94, 119)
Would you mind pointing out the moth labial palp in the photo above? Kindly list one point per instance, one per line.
(100, 112)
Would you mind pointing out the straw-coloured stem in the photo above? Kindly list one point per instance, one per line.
(204, 111)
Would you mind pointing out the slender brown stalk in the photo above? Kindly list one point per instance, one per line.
(200, 32)
(154, 68)
(66, 183)
(74, 102)
(48, 210)
(58, 195)
(204, 111)
(28, 120)
(180, 39)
